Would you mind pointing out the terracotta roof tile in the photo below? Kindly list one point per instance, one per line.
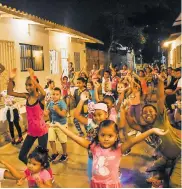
(47, 23)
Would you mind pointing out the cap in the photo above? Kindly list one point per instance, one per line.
(101, 106)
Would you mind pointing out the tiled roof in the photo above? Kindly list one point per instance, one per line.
(47, 23)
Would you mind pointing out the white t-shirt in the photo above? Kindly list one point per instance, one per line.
(179, 83)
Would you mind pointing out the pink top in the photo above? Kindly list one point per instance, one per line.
(43, 175)
(94, 75)
(65, 88)
(114, 82)
(35, 116)
(105, 164)
(113, 114)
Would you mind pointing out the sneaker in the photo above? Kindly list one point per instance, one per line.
(63, 158)
(13, 142)
(127, 152)
(54, 156)
(19, 140)
(56, 160)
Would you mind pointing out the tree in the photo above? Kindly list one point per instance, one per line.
(121, 31)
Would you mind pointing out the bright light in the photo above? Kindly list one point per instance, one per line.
(22, 25)
(37, 53)
(166, 44)
(64, 39)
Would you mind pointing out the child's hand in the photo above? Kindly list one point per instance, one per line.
(13, 73)
(159, 131)
(39, 182)
(96, 85)
(84, 96)
(56, 108)
(31, 72)
(101, 66)
(20, 182)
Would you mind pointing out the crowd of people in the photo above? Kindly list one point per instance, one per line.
(114, 109)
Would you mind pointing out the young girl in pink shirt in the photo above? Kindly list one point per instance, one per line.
(38, 174)
(37, 128)
(107, 152)
(110, 101)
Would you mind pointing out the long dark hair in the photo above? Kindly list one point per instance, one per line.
(40, 154)
(103, 124)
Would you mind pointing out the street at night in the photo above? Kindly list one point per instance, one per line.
(90, 94)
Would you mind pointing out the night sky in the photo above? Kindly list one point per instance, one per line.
(87, 15)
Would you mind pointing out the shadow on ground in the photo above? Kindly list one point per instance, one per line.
(133, 178)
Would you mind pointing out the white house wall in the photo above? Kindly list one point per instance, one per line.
(20, 32)
(58, 41)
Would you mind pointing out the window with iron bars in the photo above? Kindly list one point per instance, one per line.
(31, 56)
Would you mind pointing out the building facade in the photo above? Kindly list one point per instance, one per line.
(173, 45)
(27, 41)
(96, 57)
(30, 41)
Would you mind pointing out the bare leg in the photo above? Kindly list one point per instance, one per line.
(64, 147)
(68, 104)
(53, 146)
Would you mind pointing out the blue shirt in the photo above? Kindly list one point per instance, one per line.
(92, 93)
(54, 115)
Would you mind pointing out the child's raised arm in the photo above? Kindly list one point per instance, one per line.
(135, 75)
(132, 141)
(96, 91)
(120, 100)
(77, 113)
(81, 141)
(61, 77)
(15, 173)
(10, 86)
